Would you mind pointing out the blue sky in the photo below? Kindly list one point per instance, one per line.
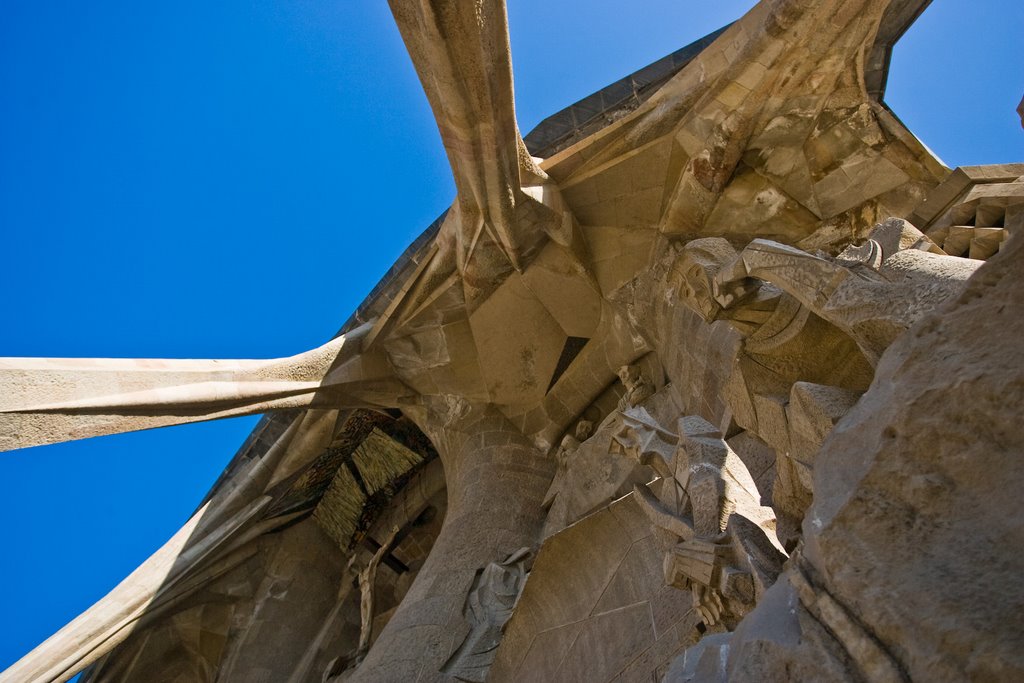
(230, 179)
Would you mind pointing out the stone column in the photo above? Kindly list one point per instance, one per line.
(496, 482)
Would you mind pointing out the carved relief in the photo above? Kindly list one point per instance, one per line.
(638, 387)
(367, 578)
(570, 442)
(873, 298)
(489, 606)
(798, 314)
(768, 132)
(724, 550)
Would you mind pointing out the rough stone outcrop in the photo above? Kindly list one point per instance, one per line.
(909, 569)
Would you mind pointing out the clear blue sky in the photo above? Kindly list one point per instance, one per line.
(229, 179)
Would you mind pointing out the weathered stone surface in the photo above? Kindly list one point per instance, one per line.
(594, 476)
(47, 400)
(915, 499)
(702, 663)
(595, 602)
(712, 266)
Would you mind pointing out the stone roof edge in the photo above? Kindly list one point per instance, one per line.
(899, 17)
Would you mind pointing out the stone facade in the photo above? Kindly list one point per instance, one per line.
(713, 376)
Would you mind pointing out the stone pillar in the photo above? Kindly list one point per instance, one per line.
(496, 482)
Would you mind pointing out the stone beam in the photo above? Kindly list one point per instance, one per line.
(899, 16)
(461, 53)
(49, 400)
(215, 539)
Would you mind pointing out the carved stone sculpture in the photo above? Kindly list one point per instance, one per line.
(783, 343)
(725, 550)
(788, 305)
(638, 387)
(873, 305)
(367, 578)
(898, 475)
(488, 607)
(643, 439)
(734, 556)
(570, 442)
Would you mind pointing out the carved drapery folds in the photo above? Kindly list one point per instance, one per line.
(489, 606)
(725, 550)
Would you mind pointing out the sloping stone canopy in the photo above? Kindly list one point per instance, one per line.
(671, 391)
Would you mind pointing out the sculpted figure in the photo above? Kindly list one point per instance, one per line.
(343, 666)
(584, 428)
(637, 386)
(783, 343)
(589, 476)
(570, 442)
(873, 296)
(725, 550)
(763, 315)
(642, 439)
(693, 280)
(810, 318)
(367, 579)
(488, 607)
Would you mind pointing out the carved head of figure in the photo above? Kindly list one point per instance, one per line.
(693, 273)
(638, 387)
(629, 375)
(641, 439)
(584, 428)
(627, 441)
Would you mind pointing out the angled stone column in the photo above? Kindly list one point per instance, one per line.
(461, 52)
(496, 482)
(506, 207)
(49, 400)
(215, 539)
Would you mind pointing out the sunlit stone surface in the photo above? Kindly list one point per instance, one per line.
(716, 376)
